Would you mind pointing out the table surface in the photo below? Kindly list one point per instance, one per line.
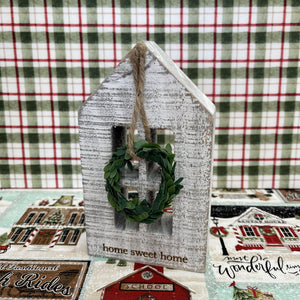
(271, 271)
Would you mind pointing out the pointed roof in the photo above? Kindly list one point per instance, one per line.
(173, 69)
(169, 64)
(256, 216)
(142, 269)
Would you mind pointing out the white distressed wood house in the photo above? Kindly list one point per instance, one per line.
(173, 102)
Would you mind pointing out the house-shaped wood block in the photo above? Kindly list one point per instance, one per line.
(175, 105)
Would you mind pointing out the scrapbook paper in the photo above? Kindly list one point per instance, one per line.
(253, 251)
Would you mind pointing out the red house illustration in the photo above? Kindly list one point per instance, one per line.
(256, 229)
(145, 283)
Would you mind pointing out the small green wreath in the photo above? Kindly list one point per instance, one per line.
(222, 232)
(267, 230)
(133, 209)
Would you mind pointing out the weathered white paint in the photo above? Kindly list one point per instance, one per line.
(171, 101)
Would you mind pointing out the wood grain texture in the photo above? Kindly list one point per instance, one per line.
(171, 101)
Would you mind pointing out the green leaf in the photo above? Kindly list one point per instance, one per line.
(110, 197)
(178, 188)
(145, 149)
(171, 158)
(154, 158)
(106, 175)
(171, 198)
(127, 155)
(170, 182)
(118, 163)
(117, 188)
(163, 187)
(131, 218)
(151, 145)
(117, 177)
(167, 165)
(166, 174)
(139, 144)
(113, 173)
(122, 202)
(156, 215)
(173, 168)
(145, 205)
(178, 180)
(135, 201)
(156, 204)
(111, 181)
(129, 165)
(112, 202)
(107, 168)
(171, 190)
(130, 205)
(142, 216)
(168, 148)
(120, 152)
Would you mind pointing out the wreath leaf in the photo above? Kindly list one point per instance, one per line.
(169, 149)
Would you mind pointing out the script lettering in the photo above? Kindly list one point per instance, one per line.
(4, 280)
(255, 264)
(33, 281)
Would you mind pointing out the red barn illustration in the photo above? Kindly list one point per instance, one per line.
(256, 229)
(145, 283)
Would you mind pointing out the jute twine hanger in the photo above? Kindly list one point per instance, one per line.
(138, 57)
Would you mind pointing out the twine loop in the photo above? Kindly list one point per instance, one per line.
(138, 57)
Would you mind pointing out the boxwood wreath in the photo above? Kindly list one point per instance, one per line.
(134, 209)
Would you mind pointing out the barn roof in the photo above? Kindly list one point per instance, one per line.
(141, 269)
(248, 217)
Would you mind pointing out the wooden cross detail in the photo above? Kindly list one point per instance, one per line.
(145, 179)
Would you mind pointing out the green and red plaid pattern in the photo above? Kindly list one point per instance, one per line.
(243, 54)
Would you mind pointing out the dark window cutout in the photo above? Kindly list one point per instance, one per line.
(64, 236)
(16, 234)
(39, 218)
(286, 232)
(29, 218)
(72, 218)
(81, 220)
(74, 237)
(25, 236)
(132, 193)
(130, 179)
(249, 231)
(118, 137)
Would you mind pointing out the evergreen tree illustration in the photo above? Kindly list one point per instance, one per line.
(4, 240)
(55, 218)
(240, 294)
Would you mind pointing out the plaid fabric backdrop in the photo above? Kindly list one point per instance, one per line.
(243, 54)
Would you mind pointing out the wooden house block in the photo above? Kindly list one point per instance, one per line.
(172, 102)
